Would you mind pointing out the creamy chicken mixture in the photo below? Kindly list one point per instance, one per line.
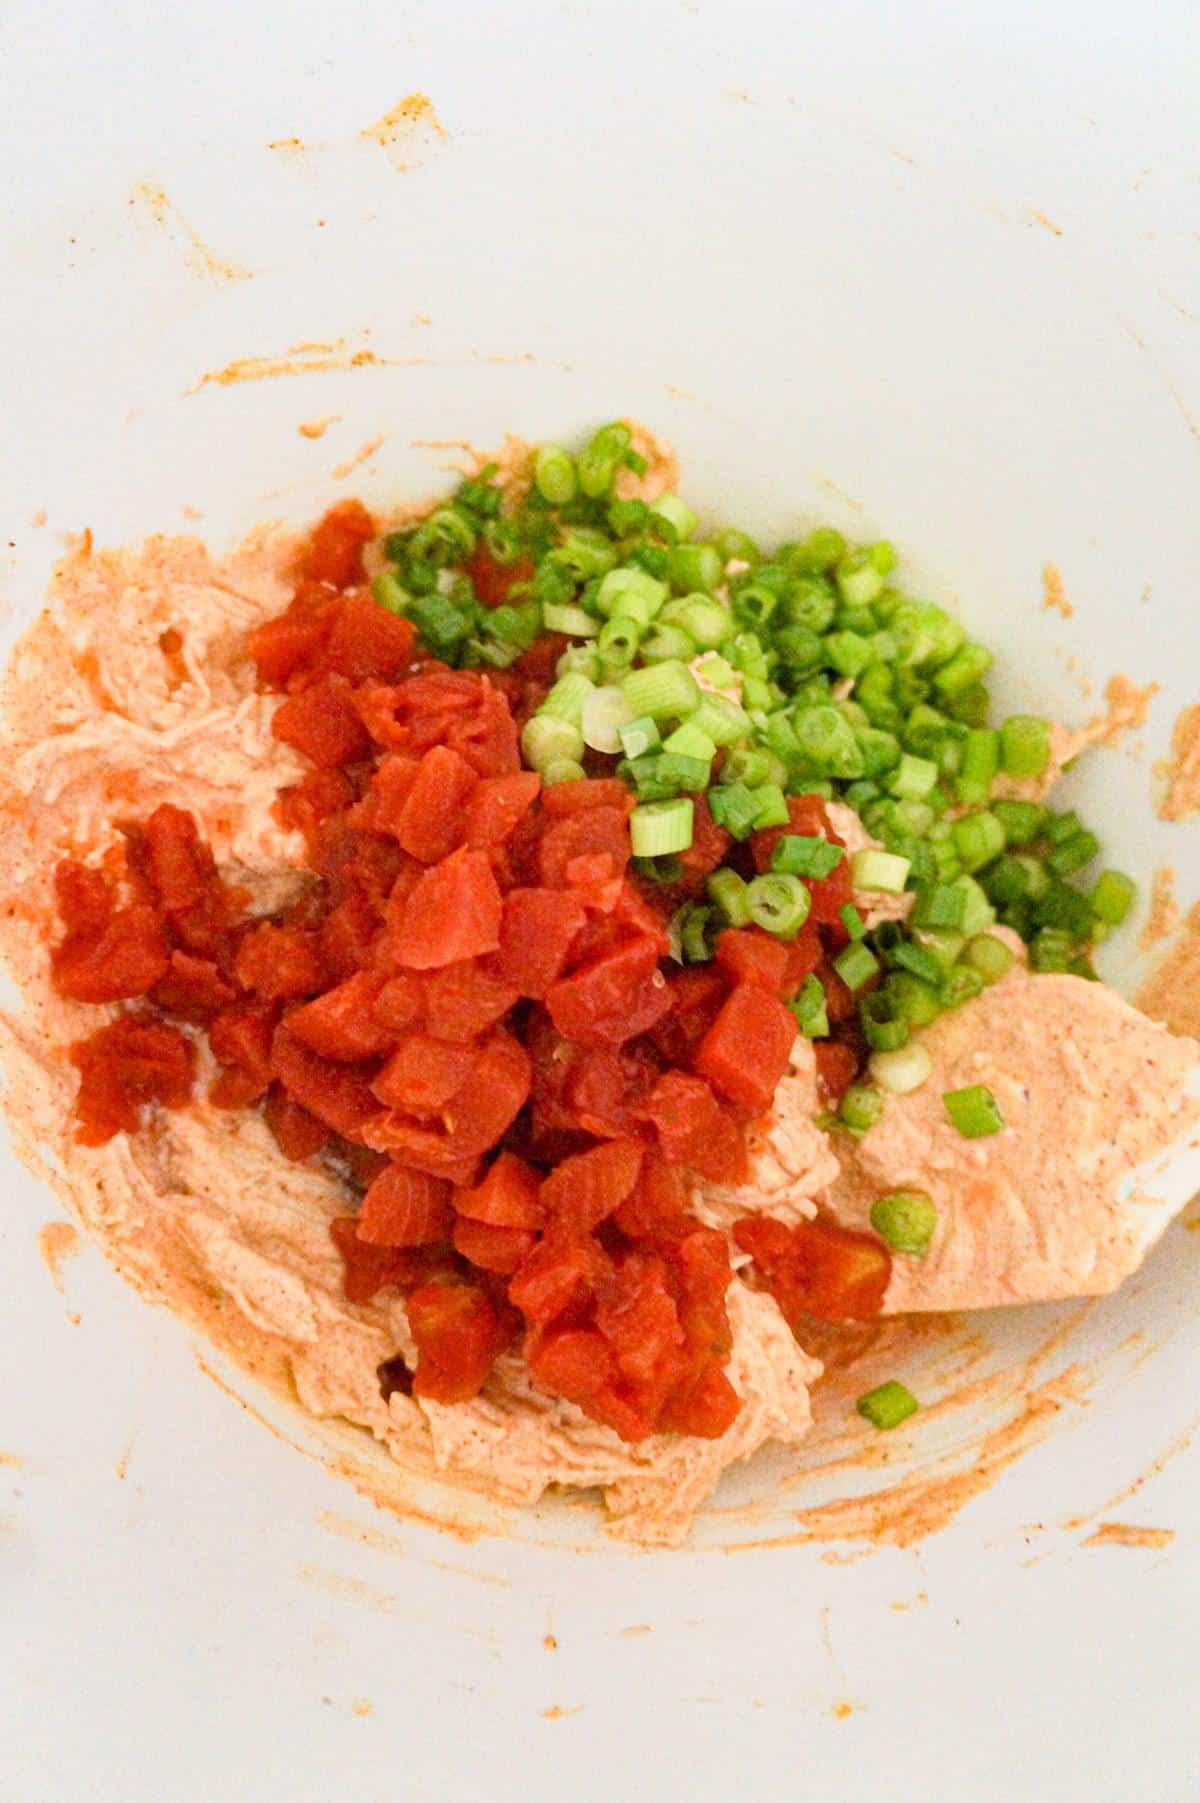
(135, 689)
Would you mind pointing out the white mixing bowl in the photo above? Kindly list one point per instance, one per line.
(920, 271)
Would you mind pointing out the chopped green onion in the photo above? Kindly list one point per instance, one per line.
(689, 741)
(668, 644)
(978, 913)
(908, 955)
(901, 1071)
(1024, 745)
(693, 922)
(860, 1108)
(1022, 820)
(941, 905)
(978, 838)
(884, 1027)
(663, 691)
(942, 944)
(605, 712)
(859, 578)
(810, 1008)
(546, 739)
(631, 592)
(779, 904)
(799, 855)
(915, 1001)
(825, 739)
(695, 567)
(562, 770)
(618, 643)
(576, 622)
(676, 514)
(704, 620)
(639, 736)
(964, 670)
(973, 1111)
(856, 965)
(554, 474)
(728, 892)
(852, 920)
(657, 827)
(565, 700)
(962, 984)
(390, 592)
(733, 546)
(771, 806)
(659, 870)
(1051, 950)
(990, 957)
(888, 1405)
(1073, 853)
(907, 1220)
(1113, 896)
(735, 807)
(601, 458)
(913, 777)
(880, 872)
(980, 763)
(723, 720)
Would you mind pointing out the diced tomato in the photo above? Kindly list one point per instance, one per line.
(240, 1038)
(171, 854)
(611, 999)
(537, 930)
(803, 957)
(298, 1134)
(494, 581)
(562, 1274)
(817, 1268)
(483, 1111)
(562, 801)
(487, 737)
(346, 936)
(694, 1130)
(322, 723)
(453, 913)
(83, 898)
(584, 1190)
(400, 1004)
(279, 963)
(697, 994)
(708, 848)
(334, 551)
(831, 893)
(303, 807)
(606, 1086)
(709, 1408)
(192, 988)
(603, 829)
(432, 819)
(382, 807)
(807, 819)
(405, 1208)
(367, 640)
(745, 1051)
(655, 1205)
(748, 955)
(291, 641)
(369, 1269)
(499, 1249)
(458, 1335)
(125, 959)
(576, 1363)
(341, 1024)
(123, 1067)
(464, 1000)
(506, 1197)
(423, 1073)
(496, 806)
(638, 1317)
(837, 1067)
(338, 1094)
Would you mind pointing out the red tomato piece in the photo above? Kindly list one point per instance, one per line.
(638, 1317)
(400, 1003)
(432, 820)
(346, 937)
(305, 806)
(322, 723)
(837, 1067)
(279, 963)
(708, 1408)
(817, 1268)
(655, 1205)
(369, 1269)
(192, 988)
(338, 1094)
(240, 1039)
(368, 641)
(576, 1363)
(562, 801)
(298, 1134)
(453, 913)
(464, 1000)
(697, 994)
(748, 955)
(830, 894)
(613, 998)
(499, 1249)
(494, 581)
(382, 807)
(537, 930)
(708, 849)
(122, 1068)
(603, 829)
(584, 1190)
(606, 1086)
(125, 959)
(334, 551)
(482, 1112)
(405, 1208)
(563, 1273)
(496, 806)
(341, 1024)
(803, 957)
(506, 1197)
(423, 1073)
(694, 1130)
(175, 860)
(745, 1051)
(83, 898)
(291, 641)
(458, 1336)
